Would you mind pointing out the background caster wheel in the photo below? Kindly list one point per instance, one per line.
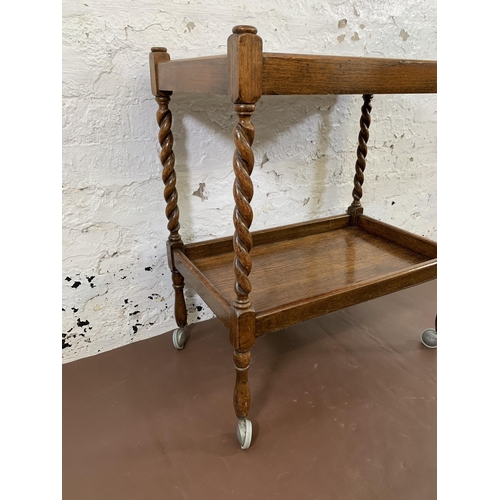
(179, 338)
(429, 338)
(244, 433)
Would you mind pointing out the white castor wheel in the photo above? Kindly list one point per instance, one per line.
(244, 433)
(429, 338)
(179, 338)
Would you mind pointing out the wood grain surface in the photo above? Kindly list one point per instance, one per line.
(399, 236)
(206, 75)
(267, 236)
(296, 273)
(287, 74)
(244, 54)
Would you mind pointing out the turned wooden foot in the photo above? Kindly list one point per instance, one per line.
(180, 310)
(241, 398)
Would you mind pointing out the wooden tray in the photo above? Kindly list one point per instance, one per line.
(305, 270)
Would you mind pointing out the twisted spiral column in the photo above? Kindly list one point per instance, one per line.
(243, 162)
(167, 158)
(362, 151)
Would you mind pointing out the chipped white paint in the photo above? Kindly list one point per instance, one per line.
(116, 284)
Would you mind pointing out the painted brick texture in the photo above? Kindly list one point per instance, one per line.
(115, 278)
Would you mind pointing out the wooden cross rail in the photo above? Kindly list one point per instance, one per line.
(288, 74)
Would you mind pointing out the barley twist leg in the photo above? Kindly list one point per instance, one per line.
(167, 158)
(243, 163)
(361, 153)
(243, 331)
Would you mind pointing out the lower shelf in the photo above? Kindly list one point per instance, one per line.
(306, 270)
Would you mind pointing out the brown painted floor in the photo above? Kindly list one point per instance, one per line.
(343, 407)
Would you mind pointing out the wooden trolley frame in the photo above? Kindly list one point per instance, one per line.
(260, 282)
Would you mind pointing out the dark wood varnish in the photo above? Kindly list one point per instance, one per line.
(244, 50)
(327, 267)
(204, 288)
(243, 162)
(399, 236)
(241, 396)
(263, 281)
(244, 54)
(218, 246)
(167, 158)
(299, 74)
(364, 123)
(205, 75)
(317, 74)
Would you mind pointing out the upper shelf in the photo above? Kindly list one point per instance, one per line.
(246, 72)
(286, 74)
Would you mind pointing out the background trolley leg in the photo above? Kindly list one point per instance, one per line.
(167, 157)
(364, 123)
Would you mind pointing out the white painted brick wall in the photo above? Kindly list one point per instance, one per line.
(116, 283)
